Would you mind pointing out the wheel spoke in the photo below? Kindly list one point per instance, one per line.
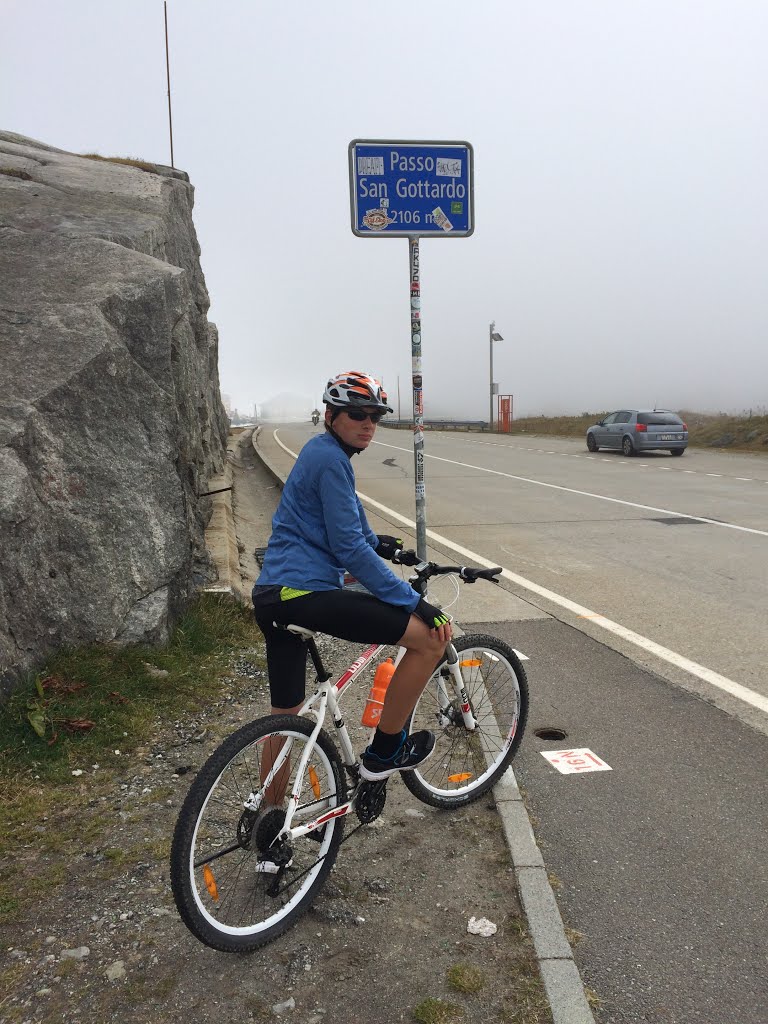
(225, 893)
(466, 763)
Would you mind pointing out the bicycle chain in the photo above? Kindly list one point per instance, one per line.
(380, 791)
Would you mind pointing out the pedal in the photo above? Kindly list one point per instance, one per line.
(370, 800)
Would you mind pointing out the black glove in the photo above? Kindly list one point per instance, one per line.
(405, 558)
(433, 616)
(387, 546)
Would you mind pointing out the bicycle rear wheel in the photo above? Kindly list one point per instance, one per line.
(466, 764)
(222, 852)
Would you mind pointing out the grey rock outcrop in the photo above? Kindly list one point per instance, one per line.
(110, 417)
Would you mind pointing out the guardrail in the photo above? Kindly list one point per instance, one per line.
(478, 425)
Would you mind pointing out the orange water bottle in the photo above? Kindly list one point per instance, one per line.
(375, 703)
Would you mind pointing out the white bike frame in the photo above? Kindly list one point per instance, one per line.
(327, 697)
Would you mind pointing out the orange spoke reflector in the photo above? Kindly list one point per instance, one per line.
(460, 777)
(471, 663)
(210, 883)
(314, 781)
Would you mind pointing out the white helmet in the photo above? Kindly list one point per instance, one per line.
(355, 388)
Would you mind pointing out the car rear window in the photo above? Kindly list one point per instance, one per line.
(660, 419)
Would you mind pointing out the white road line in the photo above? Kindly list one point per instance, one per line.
(571, 455)
(735, 689)
(585, 494)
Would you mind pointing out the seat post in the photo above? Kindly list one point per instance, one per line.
(322, 674)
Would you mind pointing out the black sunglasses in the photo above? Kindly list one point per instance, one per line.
(360, 417)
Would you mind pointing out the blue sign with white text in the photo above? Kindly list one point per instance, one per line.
(411, 189)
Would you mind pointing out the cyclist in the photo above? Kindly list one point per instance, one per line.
(318, 531)
(315, 417)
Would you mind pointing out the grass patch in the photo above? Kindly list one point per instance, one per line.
(465, 978)
(142, 990)
(437, 1011)
(91, 701)
(527, 1001)
(594, 1000)
(747, 432)
(15, 172)
(47, 812)
(143, 165)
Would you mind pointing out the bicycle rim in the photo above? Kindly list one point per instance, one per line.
(465, 764)
(221, 888)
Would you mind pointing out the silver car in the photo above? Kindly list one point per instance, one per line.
(639, 430)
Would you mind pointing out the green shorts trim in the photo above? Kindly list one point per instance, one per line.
(286, 593)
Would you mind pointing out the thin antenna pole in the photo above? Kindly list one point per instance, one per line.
(168, 76)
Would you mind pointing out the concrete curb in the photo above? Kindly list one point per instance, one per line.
(559, 973)
(273, 471)
(221, 538)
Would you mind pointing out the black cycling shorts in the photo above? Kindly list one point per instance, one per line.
(361, 618)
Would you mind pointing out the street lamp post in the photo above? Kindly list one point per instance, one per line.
(493, 335)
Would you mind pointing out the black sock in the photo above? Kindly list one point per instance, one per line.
(386, 744)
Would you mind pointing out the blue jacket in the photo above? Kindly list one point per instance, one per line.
(320, 530)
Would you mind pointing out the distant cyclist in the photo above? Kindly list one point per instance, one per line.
(319, 531)
(315, 417)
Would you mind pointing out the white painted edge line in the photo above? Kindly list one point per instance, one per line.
(585, 494)
(559, 973)
(576, 455)
(707, 675)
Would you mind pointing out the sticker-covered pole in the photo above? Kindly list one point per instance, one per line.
(418, 401)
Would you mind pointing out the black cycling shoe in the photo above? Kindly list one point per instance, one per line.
(413, 751)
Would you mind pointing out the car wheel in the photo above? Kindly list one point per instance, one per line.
(677, 451)
(627, 447)
(591, 443)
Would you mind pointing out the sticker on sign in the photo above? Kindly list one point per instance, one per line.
(578, 760)
(411, 189)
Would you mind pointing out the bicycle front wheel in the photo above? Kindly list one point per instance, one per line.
(465, 764)
(235, 885)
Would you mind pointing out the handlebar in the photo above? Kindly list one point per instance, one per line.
(426, 570)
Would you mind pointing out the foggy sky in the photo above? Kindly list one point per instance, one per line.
(621, 163)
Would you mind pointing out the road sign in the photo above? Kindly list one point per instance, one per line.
(411, 189)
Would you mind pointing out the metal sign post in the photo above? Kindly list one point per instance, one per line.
(412, 190)
(418, 402)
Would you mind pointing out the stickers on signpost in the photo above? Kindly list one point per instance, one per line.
(577, 761)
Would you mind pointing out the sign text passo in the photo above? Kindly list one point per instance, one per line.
(406, 189)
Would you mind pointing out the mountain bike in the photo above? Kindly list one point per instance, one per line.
(245, 865)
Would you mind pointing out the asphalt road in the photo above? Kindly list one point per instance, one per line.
(659, 864)
(627, 538)
(662, 860)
